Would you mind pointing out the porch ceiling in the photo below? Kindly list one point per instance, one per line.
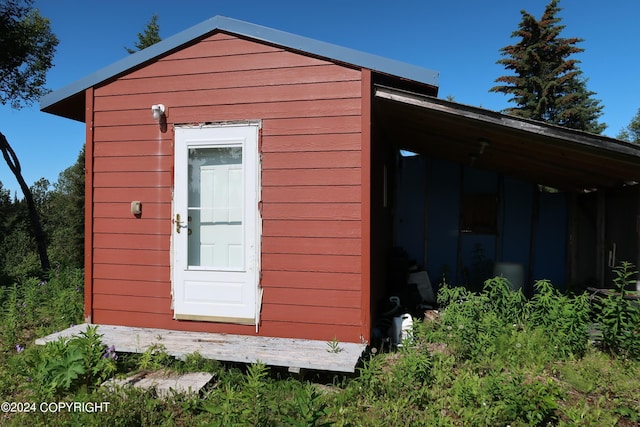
(530, 150)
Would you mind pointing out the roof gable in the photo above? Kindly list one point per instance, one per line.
(61, 102)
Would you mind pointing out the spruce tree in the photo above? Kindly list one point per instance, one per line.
(631, 132)
(547, 84)
(149, 37)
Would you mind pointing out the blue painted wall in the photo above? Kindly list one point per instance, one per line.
(551, 243)
(443, 219)
(478, 250)
(410, 207)
(515, 238)
(443, 203)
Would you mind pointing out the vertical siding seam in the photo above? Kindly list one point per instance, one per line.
(365, 216)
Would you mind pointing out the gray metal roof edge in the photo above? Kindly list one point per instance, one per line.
(253, 31)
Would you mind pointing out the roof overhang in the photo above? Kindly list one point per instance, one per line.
(538, 152)
(69, 101)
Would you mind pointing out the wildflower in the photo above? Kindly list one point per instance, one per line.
(19, 348)
(518, 345)
(460, 326)
(110, 353)
(449, 328)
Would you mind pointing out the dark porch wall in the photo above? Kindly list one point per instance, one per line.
(311, 184)
(605, 232)
(622, 230)
(466, 258)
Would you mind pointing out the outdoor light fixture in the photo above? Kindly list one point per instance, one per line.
(484, 143)
(157, 111)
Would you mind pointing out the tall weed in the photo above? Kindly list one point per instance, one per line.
(619, 317)
(36, 307)
(565, 319)
(67, 365)
(499, 324)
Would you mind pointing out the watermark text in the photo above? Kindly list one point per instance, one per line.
(53, 407)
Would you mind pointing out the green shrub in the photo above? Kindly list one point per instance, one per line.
(37, 307)
(564, 319)
(499, 324)
(619, 317)
(66, 365)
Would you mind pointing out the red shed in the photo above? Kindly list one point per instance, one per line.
(243, 180)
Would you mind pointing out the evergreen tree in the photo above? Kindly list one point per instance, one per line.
(65, 225)
(149, 37)
(547, 84)
(631, 133)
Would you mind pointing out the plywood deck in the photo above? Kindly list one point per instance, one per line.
(294, 354)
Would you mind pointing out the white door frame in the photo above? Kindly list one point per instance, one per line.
(229, 295)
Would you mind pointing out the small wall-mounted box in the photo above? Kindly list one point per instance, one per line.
(136, 207)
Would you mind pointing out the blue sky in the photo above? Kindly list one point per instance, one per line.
(458, 38)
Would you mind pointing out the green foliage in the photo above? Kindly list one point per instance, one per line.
(500, 323)
(149, 37)
(309, 408)
(244, 402)
(501, 398)
(631, 132)
(223, 407)
(253, 396)
(66, 365)
(194, 362)
(40, 305)
(27, 53)
(618, 317)
(61, 213)
(154, 358)
(18, 251)
(334, 346)
(547, 83)
(564, 319)
(64, 219)
(518, 373)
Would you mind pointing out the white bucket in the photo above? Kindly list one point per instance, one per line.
(401, 329)
(513, 272)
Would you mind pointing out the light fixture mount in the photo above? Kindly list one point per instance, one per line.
(157, 111)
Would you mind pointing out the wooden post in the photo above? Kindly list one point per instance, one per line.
(426, 209)
(535, 213)
(601, 205)
(637, 261)
(571, 273)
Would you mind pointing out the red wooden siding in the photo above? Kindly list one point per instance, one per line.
(311, 140)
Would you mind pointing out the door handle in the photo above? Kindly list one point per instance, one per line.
(178, 223)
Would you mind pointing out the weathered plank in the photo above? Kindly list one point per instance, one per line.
(285, 352)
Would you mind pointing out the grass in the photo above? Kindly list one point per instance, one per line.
(490, 358)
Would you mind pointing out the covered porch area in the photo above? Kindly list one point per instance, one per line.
(464, 190)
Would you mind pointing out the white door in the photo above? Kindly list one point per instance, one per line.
(215, 228)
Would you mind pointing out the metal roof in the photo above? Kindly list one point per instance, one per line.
(245, 29)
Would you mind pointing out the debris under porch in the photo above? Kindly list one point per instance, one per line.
(294, 354)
